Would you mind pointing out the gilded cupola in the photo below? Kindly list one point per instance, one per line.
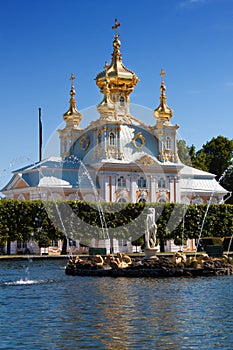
(106, 107)
(121, 80)
(72, 116)
(163, 113)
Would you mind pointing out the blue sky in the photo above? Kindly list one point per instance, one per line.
(43, 42)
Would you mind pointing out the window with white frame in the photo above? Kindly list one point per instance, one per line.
(54, 244)
(168, 142)
(161, 183)
(111, 138)
(142, 182)
(121, 181)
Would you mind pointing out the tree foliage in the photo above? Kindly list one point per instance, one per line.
(215, 156)
(185, 153)
(47, 221)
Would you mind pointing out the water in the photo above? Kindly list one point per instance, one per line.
(42, 308)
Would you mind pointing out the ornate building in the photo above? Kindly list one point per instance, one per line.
(116, 157)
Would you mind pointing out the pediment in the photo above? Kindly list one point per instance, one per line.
(21, 184)
(16, 182)
(146, 160)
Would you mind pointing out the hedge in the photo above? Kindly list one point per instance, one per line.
(51, 220)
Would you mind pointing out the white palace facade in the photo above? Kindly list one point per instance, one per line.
(117, 157)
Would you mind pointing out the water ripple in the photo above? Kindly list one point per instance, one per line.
(22, 282)
(50, 310)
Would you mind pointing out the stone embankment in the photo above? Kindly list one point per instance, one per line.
(155, 266)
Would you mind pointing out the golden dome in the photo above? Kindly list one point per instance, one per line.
(120, 77)
(163, 113)
(72, 115)
(106, 107)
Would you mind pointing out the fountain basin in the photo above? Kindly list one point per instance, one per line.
(156, 267)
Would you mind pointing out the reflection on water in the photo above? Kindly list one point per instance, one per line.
(62, 312)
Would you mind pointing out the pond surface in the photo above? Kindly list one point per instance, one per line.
(42, 308)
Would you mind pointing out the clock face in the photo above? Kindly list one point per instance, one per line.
(84, 143)
(139, 140)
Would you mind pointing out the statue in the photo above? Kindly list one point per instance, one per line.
(151, 230)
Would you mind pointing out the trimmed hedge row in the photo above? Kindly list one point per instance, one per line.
(46, 221)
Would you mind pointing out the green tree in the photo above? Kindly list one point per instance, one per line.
(185, 153)
(16, 215)
(4, 230)
(215, 156)
(200, 160)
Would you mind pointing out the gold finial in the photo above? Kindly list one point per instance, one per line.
(72, 115)
(163, 112)
(116, 25)
(72, 79)
(162, 73)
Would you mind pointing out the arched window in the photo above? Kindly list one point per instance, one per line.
(141, 182)
(161, 183)
(121, 181)
(122, 101)
(111, 138)
(168, 142)
(99, 137)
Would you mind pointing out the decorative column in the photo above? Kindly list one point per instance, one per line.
(171, 187)
(133, 188)
(105, 139)
(110, 188)
(113, 188)
(118, 143)
(106, 189)
(152, 189)
(177, 190)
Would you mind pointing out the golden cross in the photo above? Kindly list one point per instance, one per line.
(116, 25)
(162, 73)
(72, 78)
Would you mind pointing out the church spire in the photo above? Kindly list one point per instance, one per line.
(163, 113)
(121, 80)
(72, 116)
